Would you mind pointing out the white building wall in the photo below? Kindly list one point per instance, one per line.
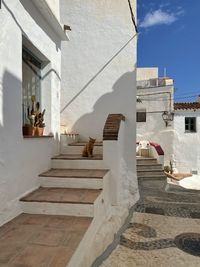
(98, 65)
(21, 160)
(147, 73)
(186, 145)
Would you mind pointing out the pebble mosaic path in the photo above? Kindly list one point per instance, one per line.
(164, 230)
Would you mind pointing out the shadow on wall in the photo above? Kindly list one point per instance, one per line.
(120, 100)
(9, 109)
(11, 106)
(98, 73)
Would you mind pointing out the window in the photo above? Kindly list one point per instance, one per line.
(190, 124)
(141, 116)
(31, 80)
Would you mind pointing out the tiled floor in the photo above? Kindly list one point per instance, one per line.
(40, 240)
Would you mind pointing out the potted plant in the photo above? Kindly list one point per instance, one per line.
(39, 123)
(35, 125)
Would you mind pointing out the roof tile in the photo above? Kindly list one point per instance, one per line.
(189, 105)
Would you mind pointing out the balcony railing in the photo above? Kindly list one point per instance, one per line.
(158, 82)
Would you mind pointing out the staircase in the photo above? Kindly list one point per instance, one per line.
(149, 168)
(72, 187)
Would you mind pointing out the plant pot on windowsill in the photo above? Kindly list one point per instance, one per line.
(39, 131)
(28, 130)
(36, 118)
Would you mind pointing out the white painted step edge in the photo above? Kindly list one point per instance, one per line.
(48, 208)
(78, 150)
(78, 164)
(72, 182)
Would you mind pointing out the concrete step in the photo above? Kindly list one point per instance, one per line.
(77, 148)
(152, 177)
(73, 178)
(149, 172)
(61, 201)
(77, 157)
(82, 143)
(145, 167)
(145, 161)
(69, 161)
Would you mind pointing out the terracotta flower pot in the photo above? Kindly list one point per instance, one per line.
(28, 130)
(39, 131)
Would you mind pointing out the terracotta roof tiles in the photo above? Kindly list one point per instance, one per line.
(189, 105)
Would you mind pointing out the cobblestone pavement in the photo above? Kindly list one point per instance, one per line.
(155, 199)
(164, 230)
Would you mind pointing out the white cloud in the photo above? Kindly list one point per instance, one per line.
(158, 17)
(180, 12)
(164, 5)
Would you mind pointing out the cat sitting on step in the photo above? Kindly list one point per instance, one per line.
(88, 149)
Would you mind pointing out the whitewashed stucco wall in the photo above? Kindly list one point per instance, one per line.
(98, 65)
(155, 101)
(21, 160)
(186, 145)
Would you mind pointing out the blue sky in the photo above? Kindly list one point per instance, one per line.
(170, 38)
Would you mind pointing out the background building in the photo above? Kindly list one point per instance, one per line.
(187, 136)
(156, 95)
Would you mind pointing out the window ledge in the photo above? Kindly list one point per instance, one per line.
(43, 136)
(47, 13)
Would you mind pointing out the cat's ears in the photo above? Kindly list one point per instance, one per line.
(92, 139)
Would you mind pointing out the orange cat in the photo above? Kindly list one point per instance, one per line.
(88, 149)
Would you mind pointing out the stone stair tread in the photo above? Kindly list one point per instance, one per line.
(141, 157)
(75, 173)
(53, 238)
(146, 160)
(144, 165)
(62, 195)
(150, 170)
(152, 176)
(84, 143)
(77, 157)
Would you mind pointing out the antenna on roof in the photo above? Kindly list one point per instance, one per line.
(165, 72)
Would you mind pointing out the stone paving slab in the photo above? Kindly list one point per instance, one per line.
(149, 241)
(77, 173)
(41, 240)
(63, 195)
